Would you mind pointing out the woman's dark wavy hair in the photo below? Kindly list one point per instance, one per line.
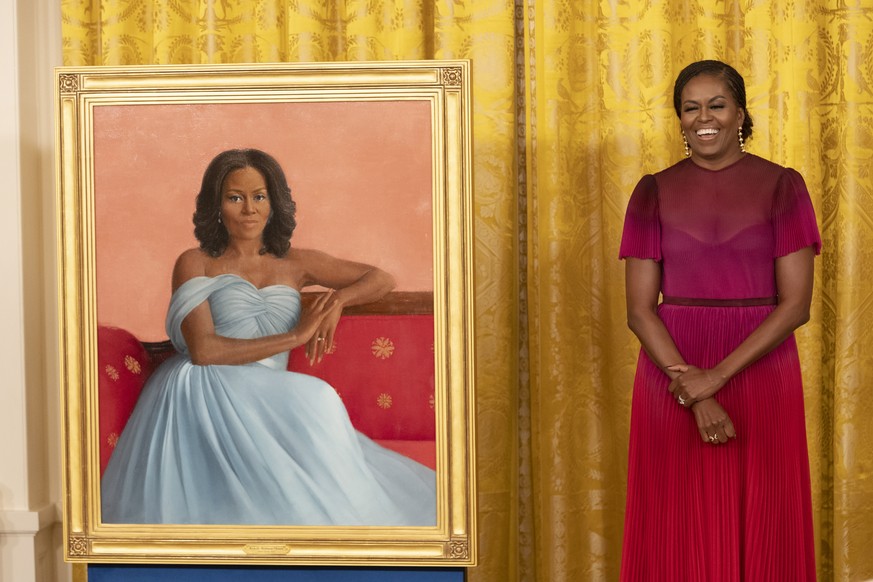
(212, 234)
(723, 71)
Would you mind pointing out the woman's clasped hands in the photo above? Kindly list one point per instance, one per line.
(317, 325)
(321, 342)
(694, 388)
(693, 384)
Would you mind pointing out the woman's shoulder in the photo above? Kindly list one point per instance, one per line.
(291, 268)
(679, 167)
(646, 189)
(191, 263)
(302, 260)
(765, 165)
(302, 256)
(768, 174)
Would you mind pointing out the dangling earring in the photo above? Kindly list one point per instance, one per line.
(742, 143)
(685, 141)
(219, 219)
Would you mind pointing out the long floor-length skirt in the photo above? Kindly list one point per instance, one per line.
(739, 511)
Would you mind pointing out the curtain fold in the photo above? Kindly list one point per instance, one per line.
(572, 105)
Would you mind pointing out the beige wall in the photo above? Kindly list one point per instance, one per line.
(29, 454)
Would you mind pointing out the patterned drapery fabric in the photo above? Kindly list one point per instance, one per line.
(572, 104)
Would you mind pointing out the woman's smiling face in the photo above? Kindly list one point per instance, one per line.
(710, 120)
(245, 204)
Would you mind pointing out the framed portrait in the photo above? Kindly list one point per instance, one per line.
(290, 440)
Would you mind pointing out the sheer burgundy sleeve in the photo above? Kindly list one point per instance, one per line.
(793, 216)
(641, 237)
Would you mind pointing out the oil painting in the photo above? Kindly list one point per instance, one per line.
(267, 311)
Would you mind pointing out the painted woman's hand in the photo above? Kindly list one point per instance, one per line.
(310, 321)
(321, 342)
(713, 422)
(693, 384)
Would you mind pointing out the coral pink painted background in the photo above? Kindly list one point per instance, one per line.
(360, 172)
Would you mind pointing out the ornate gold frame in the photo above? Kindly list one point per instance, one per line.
(443, 84)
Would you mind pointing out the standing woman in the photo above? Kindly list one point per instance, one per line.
(718, 476)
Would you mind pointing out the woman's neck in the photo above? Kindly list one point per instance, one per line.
(247, 249)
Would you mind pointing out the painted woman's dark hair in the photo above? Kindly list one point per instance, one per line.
(728, 74)
(211, 232)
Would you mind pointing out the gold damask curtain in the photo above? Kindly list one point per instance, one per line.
(571, 106)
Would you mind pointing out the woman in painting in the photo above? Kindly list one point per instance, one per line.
(222, 433)
(718, 479)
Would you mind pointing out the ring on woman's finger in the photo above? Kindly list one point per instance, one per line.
(713, 438)
(319, 339)
(681, 401)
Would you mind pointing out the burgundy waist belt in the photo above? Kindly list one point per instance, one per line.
(695, 302)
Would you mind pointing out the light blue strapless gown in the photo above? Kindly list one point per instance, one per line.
(253, 444)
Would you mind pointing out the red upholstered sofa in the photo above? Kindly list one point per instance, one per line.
(382, 366)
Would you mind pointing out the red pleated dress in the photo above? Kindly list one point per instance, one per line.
(739, 511)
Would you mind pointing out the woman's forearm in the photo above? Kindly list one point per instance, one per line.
(214, 349)
(371, 286)
(794, 279)
(642, 288)
(206, 347)
(655, 340)
(774, 330)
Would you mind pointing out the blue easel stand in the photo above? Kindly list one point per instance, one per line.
(115, 573)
